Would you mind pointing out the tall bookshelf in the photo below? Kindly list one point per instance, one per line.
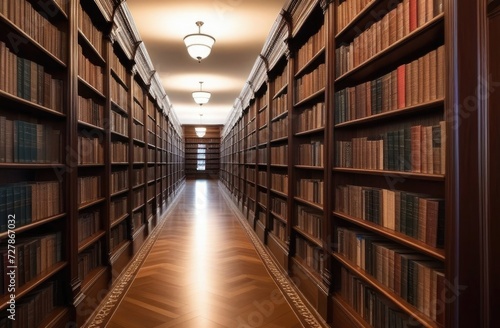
(397, 213)
(74, 156)
(203, 156)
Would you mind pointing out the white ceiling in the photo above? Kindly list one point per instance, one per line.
(240, 28)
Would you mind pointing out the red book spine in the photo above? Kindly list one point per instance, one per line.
(413, 15)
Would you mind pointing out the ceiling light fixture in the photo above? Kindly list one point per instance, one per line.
(199, 45)
(200, 131)
(201, 97)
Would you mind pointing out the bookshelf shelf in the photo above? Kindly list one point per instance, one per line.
(398, 51)
(318, 242)
(308, 167)
(308, 203)
(398, 301)
(309, 132)
(119, 135)
(411, 110)
(279, 217)
(298, 261)
(91, 165)
(96, 56)
(396, 236)
(33, 225)
(56, 15)
(84, 244)
(118, 108)
(398, 174)
(90, 87)
(35, 50)
(116, 222)
(139, 142)
(120, 248)
(119, 163)
(33, 283)
(279, 193)
(346, 308)
(90, 204)
(118, 193)
(28, 166)
(28, 106)
(138, 208)
(313, 97)
(119, 79)
(57, 317)
(277, 140)
(281, 91)
(317, 57)
(89, 126)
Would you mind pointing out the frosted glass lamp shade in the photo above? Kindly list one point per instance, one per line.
(201, 97)
(199, 45)
(200, 132)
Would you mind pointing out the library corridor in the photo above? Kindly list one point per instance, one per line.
(202, 271)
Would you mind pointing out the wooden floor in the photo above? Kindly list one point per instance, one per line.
(203, 271)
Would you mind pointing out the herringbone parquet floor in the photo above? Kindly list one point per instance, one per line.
(203, 272)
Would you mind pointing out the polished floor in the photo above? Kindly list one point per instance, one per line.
(203, 271)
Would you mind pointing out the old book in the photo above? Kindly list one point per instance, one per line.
(426, 77)
(432, 75)
(440, 75)
(421, 81)
(416, 148)
(393, 23)
(413, 15)
(442, 124)
(421, 12)
(402, 87)
(414, 82)
(423, 151)
(422, 219)
(429, 149)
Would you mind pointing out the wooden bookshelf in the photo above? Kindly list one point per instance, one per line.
(92, 106)
(452, 176)
(202, 155)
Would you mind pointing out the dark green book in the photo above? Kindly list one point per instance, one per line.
(401, 150)
(407, 151)
(373, 85)
(20, 76)
(27, 79)
(379, 95)
(3, 209)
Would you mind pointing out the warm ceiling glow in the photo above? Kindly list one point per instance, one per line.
(212, 82)
(200, 131)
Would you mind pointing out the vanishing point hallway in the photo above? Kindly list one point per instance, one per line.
(203, 271)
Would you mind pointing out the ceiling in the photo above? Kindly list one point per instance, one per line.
(240, 28)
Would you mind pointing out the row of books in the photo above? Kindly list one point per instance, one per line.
(279, 105)
(138, 112)
(118, 208)
(28, 80)
(347, 10)
(414, 277)
(311, 118)
(89, 189)
(415, 215)
(118, 235)
(33, 256)
(251, 126)
(139, 156)
(279, 128)
(89, 259)
(262, 155)
(119, 123)
(279, 182)
(262, 117)
(138, 197)
(29, 202)
(88, 224)
(250, 174)
(310, 83)
(311, 154)
(311, 190)
(263, 178)
(137, 177)
(418, 149)
(264, 135)
(29, 20)
(417, 82)
(370, 305)
(279, 207)
(312, 46)
(262, 198)
(279, 230)
(250, 190)
(33, 309)
(90, 150)
(91, 73)
(91, 112)
(311, 255)
(251, 139)
(119, 152)
(250, 156)
(137, 220)
(394, 26)
(90, 30)
(281, 80)
(138, 131)
(279, 155)
(309, 221)
(118, 68)
(138, 94)
(25, 142)
(119, 94)
(119, 181)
